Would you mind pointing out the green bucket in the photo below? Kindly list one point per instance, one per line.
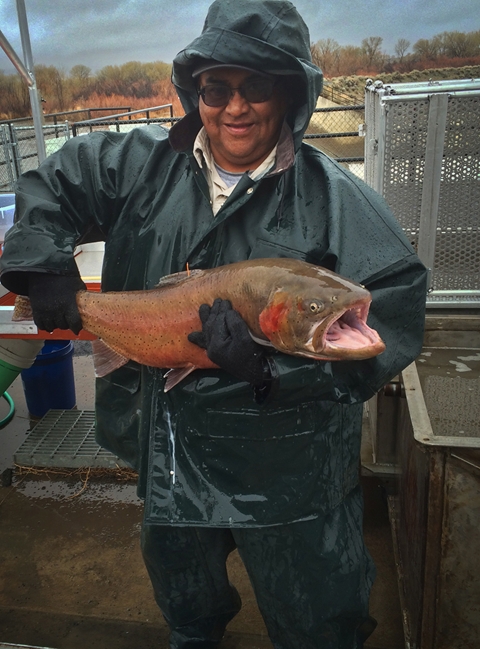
(16, 355)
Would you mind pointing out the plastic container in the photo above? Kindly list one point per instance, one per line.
(16, 355)
(49, 384)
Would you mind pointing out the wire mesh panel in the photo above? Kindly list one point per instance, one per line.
(457, 251)
(405, 141)
(336, 131)
(7, 169)
(423, 156)
(26, 145)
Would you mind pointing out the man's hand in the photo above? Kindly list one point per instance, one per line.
(228, 343)
(53, 300)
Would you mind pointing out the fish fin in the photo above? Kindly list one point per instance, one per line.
(22, 309)
(175, 278)
(174, 376)
(105, 359)
(261, 341)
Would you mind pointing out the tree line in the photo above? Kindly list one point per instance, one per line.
(142, 85)
(448, 49)
(133, 84)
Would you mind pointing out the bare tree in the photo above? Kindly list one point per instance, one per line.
(350, 60)
(426, 49)
(14, 97)
(80, 72)
(315, 54)
(457, 44)
(325, 54)
(80, 81)
(401, 47)
(51, 83)
(371, 49)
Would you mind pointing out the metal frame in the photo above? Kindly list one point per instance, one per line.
(434, 521)
(27, 73)
(426, 173)
(8, 155)
(119, 118)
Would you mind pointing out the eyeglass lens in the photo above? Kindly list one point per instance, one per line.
(255, 92)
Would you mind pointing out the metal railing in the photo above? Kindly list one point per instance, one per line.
(18, 149)
(333, 130)
(340, 98)
(124, 121)
(28, 121)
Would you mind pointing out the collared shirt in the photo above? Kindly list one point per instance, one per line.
(219, 190)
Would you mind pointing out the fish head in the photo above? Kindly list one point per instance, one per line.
(324, 318)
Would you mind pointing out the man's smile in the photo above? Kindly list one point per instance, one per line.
(240, 128)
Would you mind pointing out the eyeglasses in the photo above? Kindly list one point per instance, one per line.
(255, 92)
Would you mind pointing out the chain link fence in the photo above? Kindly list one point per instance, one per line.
(18, 152)
(333, 130)
(337, 131)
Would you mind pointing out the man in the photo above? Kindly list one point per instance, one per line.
(262, 454)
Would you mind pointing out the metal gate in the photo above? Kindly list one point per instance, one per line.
(18, 149)
(422, 154)
(8, 174)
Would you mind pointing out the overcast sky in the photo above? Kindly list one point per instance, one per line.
(96, 33)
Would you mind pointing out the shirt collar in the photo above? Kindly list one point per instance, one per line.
(204, 157)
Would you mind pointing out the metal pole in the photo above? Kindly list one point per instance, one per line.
(15, 59)
(432, 178)
(37, 113)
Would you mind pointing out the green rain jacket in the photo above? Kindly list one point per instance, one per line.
(207, 452)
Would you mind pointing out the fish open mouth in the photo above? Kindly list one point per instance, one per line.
(348, 336)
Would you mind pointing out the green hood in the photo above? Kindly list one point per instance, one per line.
(267, 35)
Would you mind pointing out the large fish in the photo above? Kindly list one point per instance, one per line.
(296, 307)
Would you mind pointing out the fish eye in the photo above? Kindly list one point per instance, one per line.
(315, 306)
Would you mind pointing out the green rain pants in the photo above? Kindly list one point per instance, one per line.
(312, 580)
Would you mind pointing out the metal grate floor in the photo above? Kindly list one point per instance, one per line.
(65, 438)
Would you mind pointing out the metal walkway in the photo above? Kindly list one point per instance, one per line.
(65, 438)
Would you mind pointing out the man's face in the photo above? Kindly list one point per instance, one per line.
(241, 134)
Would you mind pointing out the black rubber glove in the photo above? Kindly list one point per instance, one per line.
(53, 300)
(228, 343)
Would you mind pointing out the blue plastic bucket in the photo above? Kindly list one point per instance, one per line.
(49, 384)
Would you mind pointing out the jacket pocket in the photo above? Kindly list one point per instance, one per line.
(261, 424)
(270, 467)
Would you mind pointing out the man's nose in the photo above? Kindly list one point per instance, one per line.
(237, 103)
